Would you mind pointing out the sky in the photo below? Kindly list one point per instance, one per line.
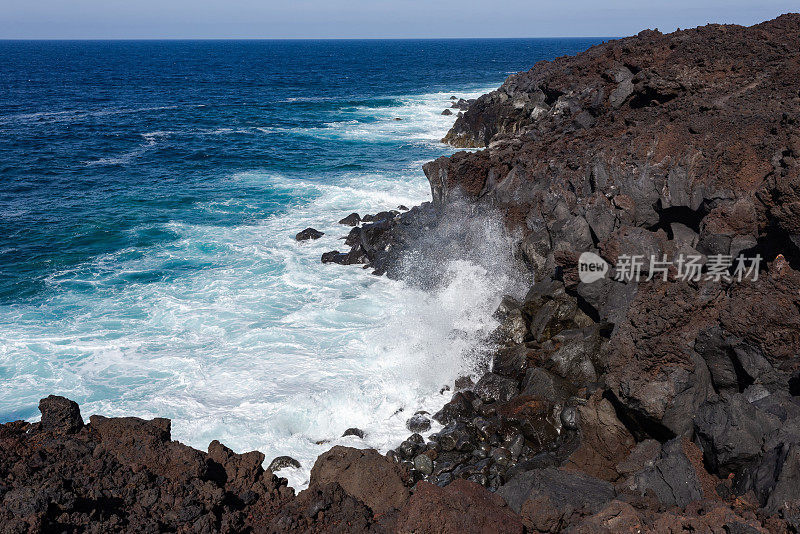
(325, 19)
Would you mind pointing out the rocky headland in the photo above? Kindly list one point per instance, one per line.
(657, 404)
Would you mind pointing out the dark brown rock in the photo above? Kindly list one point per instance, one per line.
(365, 475)
(605, 441)
(60, 414)
(126, 474)
(461, 507)
(322, 509)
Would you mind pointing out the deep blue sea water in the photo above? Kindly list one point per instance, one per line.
(149, 195)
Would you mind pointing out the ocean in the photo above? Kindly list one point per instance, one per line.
(150, 192)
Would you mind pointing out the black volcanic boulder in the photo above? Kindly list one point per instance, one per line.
(514, 361)
(492, 387)
(537, 418)
(543, 383)
(355, 256)
(459, 408)
(676, 477)
(418, 423)
(733, 432)
(334, 256)
(761, 447)
(513, 328)
(784, 497)
(357, 432)
(351, 220)
(309, 233)
(557, 489)
(573, 354)
(282, 462)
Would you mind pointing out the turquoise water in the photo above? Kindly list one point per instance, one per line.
(149, 197)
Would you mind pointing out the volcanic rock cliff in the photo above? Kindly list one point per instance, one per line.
(665, 403)
(658, 145)
(667, 147)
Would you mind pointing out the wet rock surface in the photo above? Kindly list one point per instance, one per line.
(282, 462)
(309, 233)
(354, 219)
(657, 405)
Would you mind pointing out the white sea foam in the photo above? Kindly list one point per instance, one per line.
(257, 343)
(420, 117)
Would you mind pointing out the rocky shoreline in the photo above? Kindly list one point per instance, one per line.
(657, 404)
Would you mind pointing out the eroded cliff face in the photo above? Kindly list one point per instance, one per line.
(696, 128)
(674, 144)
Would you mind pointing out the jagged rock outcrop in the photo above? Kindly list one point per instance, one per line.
(126, 475)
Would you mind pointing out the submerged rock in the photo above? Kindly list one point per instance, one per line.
(418, 423)
(354, 432)
(308, 233)
(282, 462)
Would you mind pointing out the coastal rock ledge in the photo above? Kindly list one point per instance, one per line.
(658, 404)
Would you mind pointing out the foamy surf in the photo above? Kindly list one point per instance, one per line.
(254, 342)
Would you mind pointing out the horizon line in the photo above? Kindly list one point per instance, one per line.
(90, 39)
